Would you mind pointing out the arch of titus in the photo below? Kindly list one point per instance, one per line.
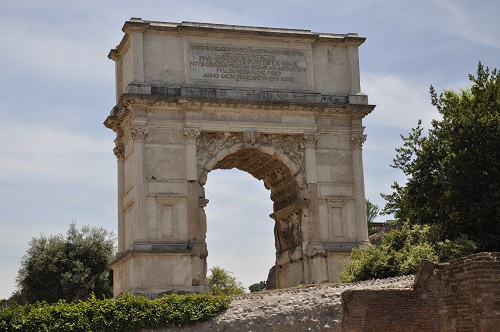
(283, 105)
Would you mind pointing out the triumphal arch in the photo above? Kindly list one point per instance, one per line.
(283, 105)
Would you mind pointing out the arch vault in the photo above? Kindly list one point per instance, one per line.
(282, 105)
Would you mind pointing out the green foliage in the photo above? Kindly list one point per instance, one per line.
(400, 252)
(258, 287)
(453, 177)
(127, 313)
(67, 268)
(372, 211)
(448, 250)
(221, 282)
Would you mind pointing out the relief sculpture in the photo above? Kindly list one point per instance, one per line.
(282, 172)
(288, 233)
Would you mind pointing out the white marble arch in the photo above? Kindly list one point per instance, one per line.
(284, 105)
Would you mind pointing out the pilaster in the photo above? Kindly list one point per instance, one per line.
(139, 134)
(191, 136)
(119, 152)
(357, 140)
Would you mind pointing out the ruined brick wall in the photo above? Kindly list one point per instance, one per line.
(463, 295)
(469, 293)
(389, 310)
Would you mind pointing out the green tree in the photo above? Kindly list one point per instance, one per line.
(221, 282)
(453, 174)
(372, 211)
(70, 267)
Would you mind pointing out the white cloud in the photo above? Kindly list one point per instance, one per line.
(477, 23)
(41, 153)
(400, 103)
(56, 58)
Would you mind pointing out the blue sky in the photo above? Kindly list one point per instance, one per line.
(57, 87)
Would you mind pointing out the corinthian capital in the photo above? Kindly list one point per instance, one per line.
(119, 151)
(191, 135)
(357, 140)
(139, 133)
(309, 140)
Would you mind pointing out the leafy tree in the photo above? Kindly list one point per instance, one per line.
(69, 268)
(453, 174)
(221, 282)
(372, 211)
(400, 252)
(260, 286)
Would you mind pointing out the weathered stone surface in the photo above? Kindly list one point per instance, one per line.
(283, 105)
(458, 296)
(316, 308)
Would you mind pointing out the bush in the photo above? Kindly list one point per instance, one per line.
(221, 282)
(126, 313)
(400, 252)
(258, 287)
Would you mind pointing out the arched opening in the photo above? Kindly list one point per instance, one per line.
(270, 166)
(240, 233)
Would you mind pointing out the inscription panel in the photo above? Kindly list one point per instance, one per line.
(248, 65)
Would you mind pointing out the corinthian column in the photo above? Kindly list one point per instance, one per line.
(139, 134)
(357, 140)
(119, 152)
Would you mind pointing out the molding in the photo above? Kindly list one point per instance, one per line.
(340, 247)
(288, 210)
(235, 31)
(128, 102)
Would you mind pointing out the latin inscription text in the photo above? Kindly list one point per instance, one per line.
(247, 63)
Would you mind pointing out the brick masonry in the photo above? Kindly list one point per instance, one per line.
(388, 310)
(462, 295)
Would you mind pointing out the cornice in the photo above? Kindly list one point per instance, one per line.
(225, 31)
(129, 101)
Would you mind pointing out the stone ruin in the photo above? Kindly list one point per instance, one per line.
(284, 105)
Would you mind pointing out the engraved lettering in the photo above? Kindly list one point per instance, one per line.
(247, 64)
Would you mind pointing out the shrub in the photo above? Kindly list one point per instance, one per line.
(126, 313)
(400, 252)
(221, 282)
